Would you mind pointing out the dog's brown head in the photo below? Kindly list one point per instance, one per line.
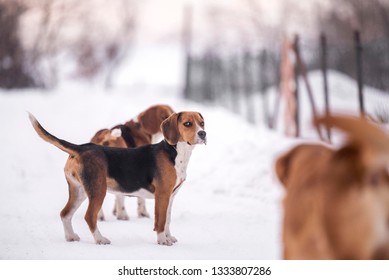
(337, 201)
(151, 119)
(184, 127)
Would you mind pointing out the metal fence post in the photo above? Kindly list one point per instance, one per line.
(323, 44)
(296, 80)
(358, 50)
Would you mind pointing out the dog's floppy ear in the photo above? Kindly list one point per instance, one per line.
(284, 164)
(281, 168)
(169, 129)
(149, 120)
(370, 139)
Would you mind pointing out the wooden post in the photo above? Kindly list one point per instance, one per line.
(323, 44)
(358, 50)
(187, 42)
(303, 72)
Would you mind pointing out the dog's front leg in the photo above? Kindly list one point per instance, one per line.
(161, 209)
(168, 218)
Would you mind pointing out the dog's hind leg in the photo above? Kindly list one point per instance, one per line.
(101, 216)
(120, 210)
(95, 202)
(76, 197)
(91, 219)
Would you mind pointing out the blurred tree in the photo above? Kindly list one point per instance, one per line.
(117, 50)
(13, 69)
(371, 18)
(80, 39)
(48, 42)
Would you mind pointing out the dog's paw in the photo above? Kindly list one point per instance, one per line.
(171, 238)
(166, 242)
(72, 237)
(143, 214)
(123, 216)
(103, 241)
(101, 216)
(163, 240)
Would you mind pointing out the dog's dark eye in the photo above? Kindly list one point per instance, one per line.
(202, 124)
(188, 124)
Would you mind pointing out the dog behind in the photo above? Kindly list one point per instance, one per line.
(337, 200)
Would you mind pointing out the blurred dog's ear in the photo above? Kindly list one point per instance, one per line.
(148, 120)
(282, 167)
(169, 129)
(371, 140)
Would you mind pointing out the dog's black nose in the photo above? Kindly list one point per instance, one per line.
(202, 134)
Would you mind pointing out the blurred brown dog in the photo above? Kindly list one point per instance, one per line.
(337, 201)
(142, 130)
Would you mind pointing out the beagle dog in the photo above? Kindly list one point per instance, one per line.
(142, 130)
(150, 171)
(337, 200)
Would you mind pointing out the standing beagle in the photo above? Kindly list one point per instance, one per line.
(150, 171)
(142, 130)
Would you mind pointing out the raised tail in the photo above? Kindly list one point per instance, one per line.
(370, 137)
(65, 146)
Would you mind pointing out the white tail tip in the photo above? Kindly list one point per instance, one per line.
(117, 132)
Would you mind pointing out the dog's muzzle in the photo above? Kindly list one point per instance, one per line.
(203, 136)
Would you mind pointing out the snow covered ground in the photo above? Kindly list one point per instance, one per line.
(229, 207)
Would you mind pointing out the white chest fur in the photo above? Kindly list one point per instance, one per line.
(184, 151)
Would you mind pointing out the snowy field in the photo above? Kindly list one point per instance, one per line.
(228, 208)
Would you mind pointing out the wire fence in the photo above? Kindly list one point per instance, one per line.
(231, 80)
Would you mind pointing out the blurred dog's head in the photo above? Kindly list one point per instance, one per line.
(337, 201)
(151, 119)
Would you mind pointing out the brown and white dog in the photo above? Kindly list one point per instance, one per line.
(142, 130)
(150, 171)
(337, 200)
